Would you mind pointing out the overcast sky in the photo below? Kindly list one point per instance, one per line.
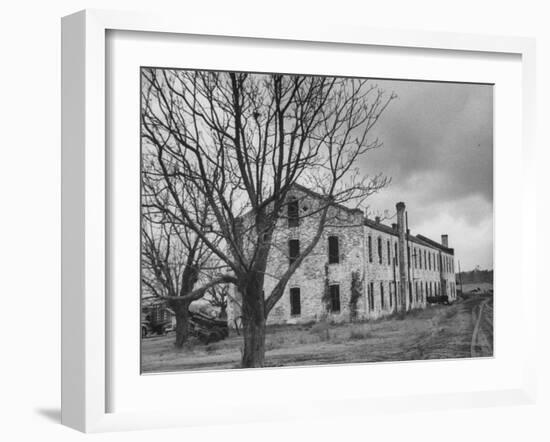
(438, 150)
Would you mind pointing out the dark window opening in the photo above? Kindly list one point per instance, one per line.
(425, 261)
(389, 253)
(370, 248)
(293, 250)
(382, 295)
(335, 298)
(293, 214)
(333, 250)
(295, 305)
(371, 296)
(379, 250)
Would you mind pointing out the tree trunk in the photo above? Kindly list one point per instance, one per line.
(223, 312)
(182, 323)
(253, 325)
(254, 343)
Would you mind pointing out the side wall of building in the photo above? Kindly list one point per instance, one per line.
(315, 280)
(364, 277)
(316, 277)
(382, 273)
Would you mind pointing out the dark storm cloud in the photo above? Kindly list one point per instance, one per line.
(438, 149)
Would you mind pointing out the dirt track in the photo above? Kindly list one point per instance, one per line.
(435, 333)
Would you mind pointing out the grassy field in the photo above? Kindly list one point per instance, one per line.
(434, 333)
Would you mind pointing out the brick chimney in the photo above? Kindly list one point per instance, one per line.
(377, 220)
(445, 240)
(402, 256)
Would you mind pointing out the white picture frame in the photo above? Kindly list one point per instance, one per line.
(85, 202)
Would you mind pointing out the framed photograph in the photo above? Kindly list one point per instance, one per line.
(295, 222)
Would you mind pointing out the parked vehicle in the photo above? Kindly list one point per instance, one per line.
(441, 299)
(150, 327)
(207, 329)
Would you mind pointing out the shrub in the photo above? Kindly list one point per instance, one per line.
(211, 348)
(321, 329)
(356, 292)
(359, 334)
(275, 343)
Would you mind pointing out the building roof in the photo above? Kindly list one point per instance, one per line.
(418, 239)
(376, 225)
(320, 196)
(431, 243)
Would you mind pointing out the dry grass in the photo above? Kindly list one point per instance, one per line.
(437, 332)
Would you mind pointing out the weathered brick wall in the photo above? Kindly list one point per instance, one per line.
(315, 273)
(380, 270)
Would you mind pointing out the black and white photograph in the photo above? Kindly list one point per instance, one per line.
(260, 221)
(301, 220)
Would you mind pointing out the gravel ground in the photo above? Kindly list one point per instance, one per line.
(434, 333)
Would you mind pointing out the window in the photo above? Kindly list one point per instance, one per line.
(415, 260)
(425, 260)
(293, 214)
(391, 293)
(293, 250)
(429, 261)
(389, 253)
(295, 305)
(335, 298)
(408, 257)
(333, 250)
(382, 295)
(370, 248)
(379, 250)
(410, 293)
(371, 296)
(395, 253)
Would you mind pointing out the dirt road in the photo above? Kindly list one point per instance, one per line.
(482, 336)
(434, 333)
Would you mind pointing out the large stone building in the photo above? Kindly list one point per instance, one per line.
(359, 269)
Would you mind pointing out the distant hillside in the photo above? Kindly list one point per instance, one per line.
(475, 276)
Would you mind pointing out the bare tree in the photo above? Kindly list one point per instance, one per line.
(244, 141)
(174, 258)
(218, 296)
